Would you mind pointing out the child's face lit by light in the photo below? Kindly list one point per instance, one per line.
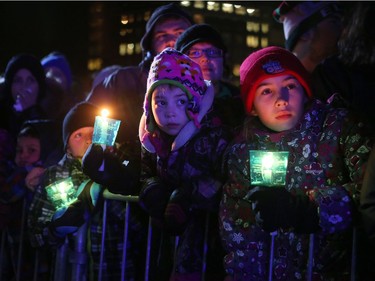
(79, 141)
(279, 102)
(169, 108)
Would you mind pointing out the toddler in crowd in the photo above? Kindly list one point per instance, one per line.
(49, 225)
(181, 162)
(33, 147)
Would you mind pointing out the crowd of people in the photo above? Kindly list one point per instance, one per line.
(185, 150)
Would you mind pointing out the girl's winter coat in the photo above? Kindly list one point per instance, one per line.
(328, 151)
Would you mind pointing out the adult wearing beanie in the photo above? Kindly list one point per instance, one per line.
(123, 93)
(57, 67)
(204, 45)
(311, 29)
(161, 15)
(24, 88)
(60, 96)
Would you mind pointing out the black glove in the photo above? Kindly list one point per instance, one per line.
(68, 219)
(153, 198)
(178, 211)
(117, 176)
(277, 208)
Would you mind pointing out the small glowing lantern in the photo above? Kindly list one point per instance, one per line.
(268, 168)
(61, 193)
(105, 129)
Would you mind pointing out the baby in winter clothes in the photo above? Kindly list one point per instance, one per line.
(181, 161)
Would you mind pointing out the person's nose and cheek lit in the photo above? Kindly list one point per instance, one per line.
(282, 98)
(170, 111)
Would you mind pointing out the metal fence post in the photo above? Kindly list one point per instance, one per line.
(61, 261)
(78, 257)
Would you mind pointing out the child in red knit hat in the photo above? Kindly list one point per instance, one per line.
(328, 149)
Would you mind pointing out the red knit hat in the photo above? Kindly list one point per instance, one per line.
(266, 63)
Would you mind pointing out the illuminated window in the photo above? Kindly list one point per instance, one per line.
(213, 6)
(123, 32)
(138, 48)
(252, 26)
(198, 18)
(124, 19)
(264, 42)
(185, 3)
(250, 11)
(199, 4)
(239, 10)
(227, 8)
(252, 41)
(147, 16)
(130, 48)
(265, 27)
(94, 64)
(236, 70)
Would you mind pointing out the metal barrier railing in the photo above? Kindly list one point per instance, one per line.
(78, 258)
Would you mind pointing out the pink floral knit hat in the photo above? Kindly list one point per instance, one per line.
(174, 68)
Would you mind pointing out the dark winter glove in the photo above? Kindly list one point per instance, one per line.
(277, 208)
(68, 219)
(117, 176)
(178, 210)
(153, 198)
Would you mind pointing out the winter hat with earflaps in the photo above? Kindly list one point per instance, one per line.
(267, 63)
(174, 68)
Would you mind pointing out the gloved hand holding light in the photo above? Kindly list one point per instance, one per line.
(268, 168)
(61, 193)
(105, 131)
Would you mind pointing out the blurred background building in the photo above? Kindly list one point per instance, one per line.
(116, 28)
(96, 34)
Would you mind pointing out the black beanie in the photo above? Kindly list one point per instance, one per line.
(81, 115)
(32, 64)
(199, 33)
(171, 9)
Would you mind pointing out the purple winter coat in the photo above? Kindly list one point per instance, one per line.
(328, 151)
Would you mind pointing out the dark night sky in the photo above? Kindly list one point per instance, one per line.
(41, 27)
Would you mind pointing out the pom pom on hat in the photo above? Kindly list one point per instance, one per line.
(79, 116)
(199, 33)
(174, 68)
(59, 61)
(300, 16)
(267, 63)
(171, 9)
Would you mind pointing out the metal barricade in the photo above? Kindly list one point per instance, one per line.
(78, 259)
(133, 199)
(128, 199)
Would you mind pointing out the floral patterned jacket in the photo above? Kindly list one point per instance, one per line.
(328, 151)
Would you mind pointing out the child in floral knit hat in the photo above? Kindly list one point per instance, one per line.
(181, 162)
(328, 149)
